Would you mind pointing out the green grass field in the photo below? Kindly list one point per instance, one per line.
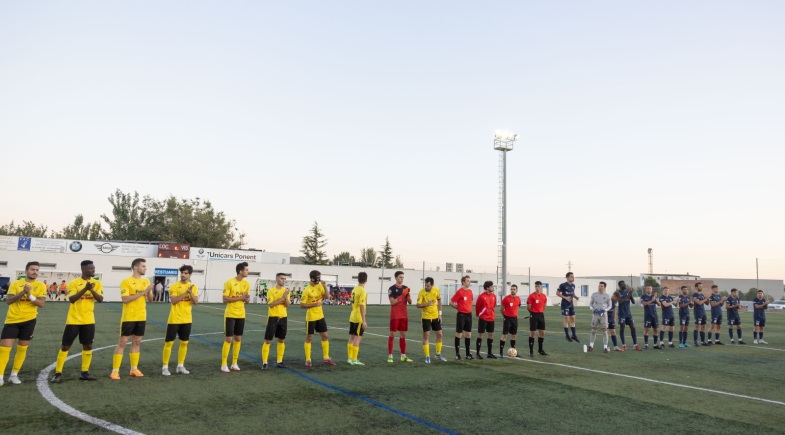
(566, 392)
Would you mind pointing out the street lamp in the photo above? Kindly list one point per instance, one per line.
(503, 141)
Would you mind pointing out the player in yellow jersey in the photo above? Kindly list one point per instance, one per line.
(83, 293)
(25, 296)
(237, 293)
(357, 320)
(278, 300)
(182, 295)
(430, 301)
(135, 291)
(312, 299)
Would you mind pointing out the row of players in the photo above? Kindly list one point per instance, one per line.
(27, 295)
(604, 308)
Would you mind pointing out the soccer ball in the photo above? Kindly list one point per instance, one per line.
(512, 353)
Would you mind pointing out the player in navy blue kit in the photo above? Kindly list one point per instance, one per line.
(699, 302)
(716, 301)
(666, 303)
(732, 305)
(625, 297)
(649, 302)
(685, 303)
(612, 320)
(566, 292)
(761, 304)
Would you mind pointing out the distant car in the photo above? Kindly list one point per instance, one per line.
(777, 305)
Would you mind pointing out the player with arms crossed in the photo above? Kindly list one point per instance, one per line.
(486, 317)
(277, 302)
(536, 303)
(625, 297)
(649, 302)
(430, 301)
(600, 303)
(566, 292)
(510, 305)
(313, 297)
(83, 293)
(135, 292)
(357, 320)
(716, 301)
(732, 305)
(183, 295)
(699, 302)
(25, 296)
(761, 304)
(400, 296)
(666, 303)
(462, 302)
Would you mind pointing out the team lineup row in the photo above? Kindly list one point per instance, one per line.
(27, 294)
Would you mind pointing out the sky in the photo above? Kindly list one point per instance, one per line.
(641, 125)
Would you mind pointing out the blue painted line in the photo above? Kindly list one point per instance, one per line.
(352, 394)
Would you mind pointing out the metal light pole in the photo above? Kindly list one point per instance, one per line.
(503, 141)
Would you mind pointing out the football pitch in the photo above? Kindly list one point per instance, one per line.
(718, 389)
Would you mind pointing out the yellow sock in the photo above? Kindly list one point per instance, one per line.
(307, 351)
(427, 349)
(19, 358)
(236, 351)
(350, 350)
(117, 359)
(265, 352)
(326, 349)
(439, 348)
(134, 357)
(87, 358)
(356, 352)
(5, 353)
(167, 352)
(279, 350)
(225, 353)
(61, 356)
(182, 350)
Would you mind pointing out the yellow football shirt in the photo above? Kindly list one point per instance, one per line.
(312, 294)
(82, 312)
(358, 300)
(273, 295)
(136, 310)
(24, 310)
(233, 289)
(424, 297)
(180, 312)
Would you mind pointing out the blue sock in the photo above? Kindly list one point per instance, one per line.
(613, 338)
(670, 336)
(730, 332)
(634, 337)
(662, 335)
(738, 333)
(646, 339)
(716, 336)
(573, 331)
(567, 332)
(703, 336)
(754, 335)
(760, 335)
(695, 335)
(655, 339)
(621, 335)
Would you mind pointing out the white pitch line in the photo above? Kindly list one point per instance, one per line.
(43, 387)
(638, 378)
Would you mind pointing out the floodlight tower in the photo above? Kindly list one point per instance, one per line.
(503, 141)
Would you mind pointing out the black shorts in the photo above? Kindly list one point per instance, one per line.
(431, 324)
(356, 329)
(234, 327)
(276, 328)
(316, 326)
(132, 328)
(510, 325)
(22, 331)
(485, 326)
(463, 323)
(536, 321)
(86, 334)
(180, 330)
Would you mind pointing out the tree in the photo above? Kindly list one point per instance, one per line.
(650, 281)
(398, 262)
(132, 218)
(750, 294)
(313, 246)
(385, 258)
(343, 257)
(27, 229)
(368, 257)
(196, 222)
(79, 230)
